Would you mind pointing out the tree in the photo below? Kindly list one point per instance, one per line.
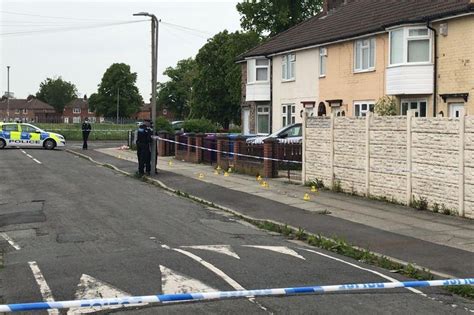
(117, 81)
(386, 106)
(217, 87)
(57, 93)
(176, 94)
(272, 17)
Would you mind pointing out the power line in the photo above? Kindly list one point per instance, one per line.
(175, 31)
(51, 30)
(187, 28)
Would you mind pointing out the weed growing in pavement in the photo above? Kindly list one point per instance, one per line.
(316, 182)
(419, 204)
(466, 291)
(336, 187)
(300, 234)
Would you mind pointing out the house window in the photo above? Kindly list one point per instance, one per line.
(258, 70)
(362, 108)
(364, 57)
(418, 105)
(263, 119)
(410, 45)
(25, 111)
(90, 111)
(288, 67)
(323, 55)
(76, 110)
(76, 120)
(288, 113)
(17, 111)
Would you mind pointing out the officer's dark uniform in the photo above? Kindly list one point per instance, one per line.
(144, 148)
(86, 130)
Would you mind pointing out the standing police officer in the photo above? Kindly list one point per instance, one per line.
(144, 147)
(86, 130)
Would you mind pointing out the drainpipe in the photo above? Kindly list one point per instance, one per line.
(435, 72)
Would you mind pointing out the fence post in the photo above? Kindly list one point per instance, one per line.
(303, 148)
(219, 140)
(176, 145)
(367, 153)
(269, 170)
(462, 123)
(190, 137)
(162, 144)
(237, 146)
(199, 143)
(409, 170)
(331, 150)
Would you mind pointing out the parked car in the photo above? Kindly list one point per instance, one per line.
(288, 134)
(177, 125)
(28, 136)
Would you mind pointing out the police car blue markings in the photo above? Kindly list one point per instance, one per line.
(44, 135)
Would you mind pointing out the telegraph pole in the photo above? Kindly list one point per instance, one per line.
(8, 93)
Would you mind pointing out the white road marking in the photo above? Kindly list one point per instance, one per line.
(362, 268)
(173, 282)
(10, 241)
(43, 285)
(219, 273)
(279, 249)
(91, 288)
(221, 249)
(30, 156)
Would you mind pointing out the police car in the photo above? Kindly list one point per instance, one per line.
(26, 135)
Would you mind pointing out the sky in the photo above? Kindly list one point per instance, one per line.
(46, 39)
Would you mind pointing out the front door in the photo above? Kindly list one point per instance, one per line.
(246, 121)
(455, 110)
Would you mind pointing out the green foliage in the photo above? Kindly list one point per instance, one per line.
(99, 131)
(386, 106)
(336, 187)
(117, 81)
(176, 94)
(162, 124)
(57, 93)
(272, 17)
(318, 183)
(419, 204)
(199, 126)
(217, 87)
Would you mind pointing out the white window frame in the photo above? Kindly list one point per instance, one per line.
(323, 57)
(363, 112)
(25, 111)
(76, 120)
(252, 71)
(417, 110)
(17, 111)
(406, 39)
(262, 113)
(285, 116)
(76, 110)
(288, 67)
(371, 63)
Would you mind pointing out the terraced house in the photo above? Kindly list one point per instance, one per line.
(355, 52)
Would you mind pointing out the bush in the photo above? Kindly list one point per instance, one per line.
(199, 126)
(162, 124)
(386, 106)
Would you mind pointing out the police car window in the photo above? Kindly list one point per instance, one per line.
(26, 128)
(10, 127)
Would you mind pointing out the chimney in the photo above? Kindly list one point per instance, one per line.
(330, 5)
(85, 97)
(30, 97)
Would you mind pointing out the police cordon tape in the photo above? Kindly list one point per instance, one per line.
(219, 295)
(226, 152)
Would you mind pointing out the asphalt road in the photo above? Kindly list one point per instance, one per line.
(72, 230)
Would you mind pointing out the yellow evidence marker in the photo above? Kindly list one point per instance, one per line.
(306, 197)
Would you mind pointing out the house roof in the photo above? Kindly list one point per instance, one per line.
(78, 103)
(31, 104)
(358, 18)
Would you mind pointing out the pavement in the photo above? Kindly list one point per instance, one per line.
(440, 243)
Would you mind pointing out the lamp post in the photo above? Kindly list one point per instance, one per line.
(154, 66)
(8, 93)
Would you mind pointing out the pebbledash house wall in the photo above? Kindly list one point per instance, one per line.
(397, 158)
(456, 62)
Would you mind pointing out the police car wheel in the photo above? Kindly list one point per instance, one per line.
(2, 144)
(49, 144)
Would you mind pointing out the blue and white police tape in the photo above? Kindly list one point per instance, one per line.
(226, 152)
(163, 298)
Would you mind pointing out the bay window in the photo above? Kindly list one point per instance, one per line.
(410, 45)
(362, 108)
(258, 70)
(418, 105)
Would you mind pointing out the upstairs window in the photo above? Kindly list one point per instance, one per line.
(288, 67)
(364, 57)
(410, 45)
(76, 110)
(258, 70)
(323, 56)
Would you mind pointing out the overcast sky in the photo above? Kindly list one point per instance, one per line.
(82, 55)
